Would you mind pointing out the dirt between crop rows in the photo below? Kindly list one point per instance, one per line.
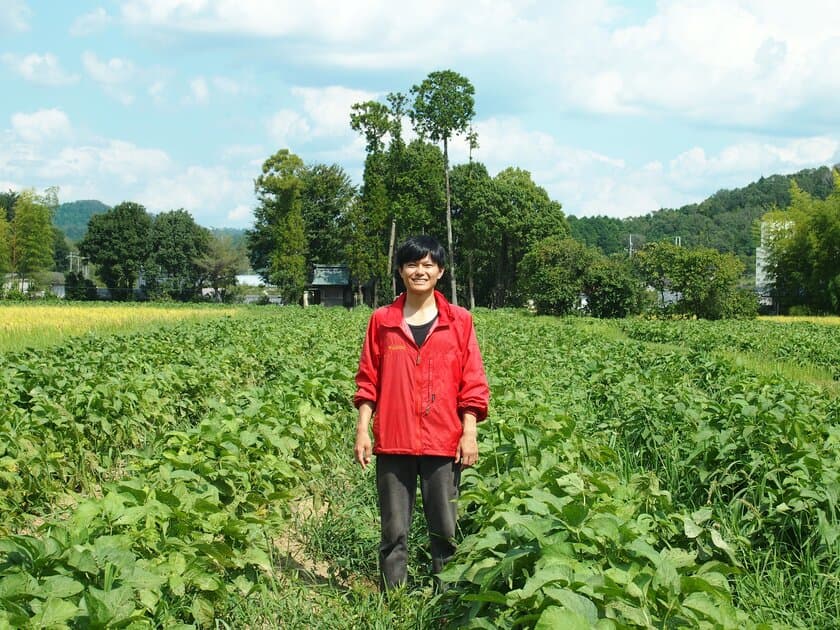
(292, 548)
(293, 555)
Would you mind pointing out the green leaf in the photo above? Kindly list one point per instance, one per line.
(574, 514)
(542, 577)
(708, 609)
(680, 558)
(643, 549)
(83, 560)
(605, 525)
(55, 612)
(691, 529)
(573, 602)
(19, 585)
(140, 578)
(666, 577)
(177, 584)
(720, 543)
(493, 597)
(258, 557)
(61, 586)
(243, 585)
(202, 610)
(115, 606)
(554, 618)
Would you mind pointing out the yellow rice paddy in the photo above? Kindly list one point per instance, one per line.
(38, 325)
(785, 319)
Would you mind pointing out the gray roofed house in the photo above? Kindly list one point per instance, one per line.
(330, 286)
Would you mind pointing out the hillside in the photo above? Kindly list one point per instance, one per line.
(72, 217)
(725, 221)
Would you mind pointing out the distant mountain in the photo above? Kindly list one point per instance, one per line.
(725, 221)
(72, 217)
(236, 235)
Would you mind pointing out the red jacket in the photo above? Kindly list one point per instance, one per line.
(420, 394)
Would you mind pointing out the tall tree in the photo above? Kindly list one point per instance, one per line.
(61, 251)
(804, 250)
(277, 243)
(31, 235)
(373, 120)
(325, 199)
(118, 242)
(524, 214)
(474, 204)
(7, 204)
(553, 275)
(176, 240)
(704, 280)
(5, 248)
(443, 107)
(219, 264)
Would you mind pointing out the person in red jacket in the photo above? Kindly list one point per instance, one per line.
(422, 380)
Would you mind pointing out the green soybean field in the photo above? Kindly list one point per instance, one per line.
(632, 474)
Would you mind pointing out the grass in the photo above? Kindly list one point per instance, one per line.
(39, 325)
(753, 361)
(290, 600)
(761, 364)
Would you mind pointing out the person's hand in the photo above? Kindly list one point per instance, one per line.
(467, 453)
(363, 448)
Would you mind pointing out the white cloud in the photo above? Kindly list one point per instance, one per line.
(744, 62)
(114, 75)
(370, 34)
(750, 158)
(42, 125)
(287, 126)
(208, 192)
(202, 88)
(126, 161)
(156, 91)
(325, 114)
(240, 214)
(505, 142)
(43, 69)
(111, 72)
(14, 16)
(227, 86)
(115, 170)
(328, 108)
(691, 176)
(90, 23)
(588, 182)
(199, 92)
(239, 151)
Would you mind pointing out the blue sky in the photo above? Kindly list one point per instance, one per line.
(616, 108)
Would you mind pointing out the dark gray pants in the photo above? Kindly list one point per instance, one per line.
(396, 482)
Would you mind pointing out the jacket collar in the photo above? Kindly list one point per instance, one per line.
(394, 311)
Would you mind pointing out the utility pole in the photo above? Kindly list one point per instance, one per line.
(78, 264)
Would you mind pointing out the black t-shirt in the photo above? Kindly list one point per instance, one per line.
(419, 332)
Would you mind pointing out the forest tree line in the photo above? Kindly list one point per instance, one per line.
(803, 248)
(169, 254)
(510, 244)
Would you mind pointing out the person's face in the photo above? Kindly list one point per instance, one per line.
(421, 275)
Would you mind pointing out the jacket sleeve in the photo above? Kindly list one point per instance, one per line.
(473, 391)
(367, 377)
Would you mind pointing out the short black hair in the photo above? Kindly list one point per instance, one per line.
(418, 247)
